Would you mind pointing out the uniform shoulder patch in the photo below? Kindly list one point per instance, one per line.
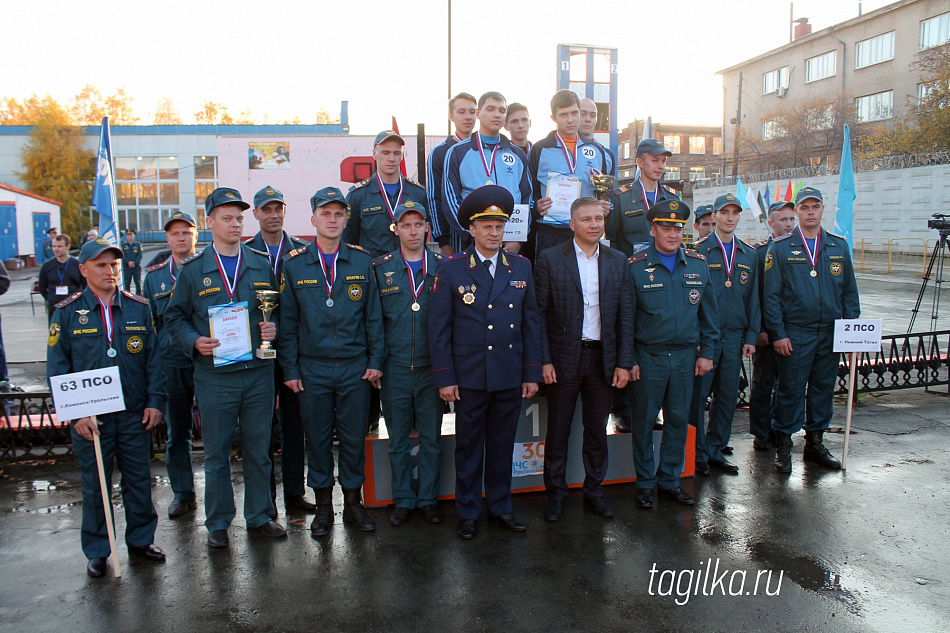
(695, 255)
(669, 191)
(623, 188)
(297, 240)
(68, 300)
(456, 256)
(760, 244)
(360, 184)
(190, 259)
(840, 237)
(639, 257)
(291, 254)
(701, 240)
(261, 253)
(743, 242)
(134, 297)
(157, 266)
(382, 259)
(784, 237)
(438, 256)
(413, 182)
(357, 247)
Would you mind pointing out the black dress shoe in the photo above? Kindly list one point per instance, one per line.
(727, 450)
(702, 468)
(271, 528)
(509, 522)
(96, 567)
(179, 507)
(467, 529)
(150, 551)
(644, 497)
(622, 423)
(554, 511)
(678, 495)
(218, 538)
(299, 502)
(400, 516)
(723, 466)
(761, 443)
(599, 506)
(431, 513)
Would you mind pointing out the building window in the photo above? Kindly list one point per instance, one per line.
(772, 81)
(672, 173)
(626, 149)
(874, 107)
(696, 173)
(772, 128)
(874, 50)
(935, 31)
(672, 142)
(625, 174)
(697, 144)
(146, 191)
(206, 181)
(717, 145)
(821, 66)
(923, 91)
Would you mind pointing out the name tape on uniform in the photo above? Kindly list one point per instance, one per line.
(87, 393)
(516, 228)
(858, 335)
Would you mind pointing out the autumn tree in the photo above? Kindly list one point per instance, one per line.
(213, 113)
(165, 113)
(13, 112)
(323, 117)
(56, 165)
(246, 117)
(90, 106)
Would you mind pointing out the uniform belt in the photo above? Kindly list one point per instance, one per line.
(590, 344)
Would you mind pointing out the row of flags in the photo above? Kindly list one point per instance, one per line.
(759, 201)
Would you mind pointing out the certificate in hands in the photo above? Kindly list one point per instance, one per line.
(231, 325)
(562, 189)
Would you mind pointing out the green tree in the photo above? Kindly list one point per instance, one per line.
(56, 165)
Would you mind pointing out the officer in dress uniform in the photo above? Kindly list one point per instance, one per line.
(332, 348)
(48, 245)
(675, 312)
(734, 276)
(229, 388)
(132, 261)
(485, 343)
(404, 279)
(95, 329)
(181, 233)
(270, 211)
(809, 283)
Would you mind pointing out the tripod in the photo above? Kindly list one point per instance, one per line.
(937, 257)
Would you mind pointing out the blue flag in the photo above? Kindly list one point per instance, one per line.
(847, 192)
(768, 196)
(741, 193)
(103, 194)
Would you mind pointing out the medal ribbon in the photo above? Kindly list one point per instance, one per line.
(229, 285)
(417, 289)
(390, 208)
(646, 201)
(728, 262)
(328, 276)
(812, 255)
(106, 318)
(458, 139)
(171, 269)
(489, 166)
(276, 260)
(568, 157)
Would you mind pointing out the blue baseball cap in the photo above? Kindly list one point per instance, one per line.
(725, 200)
(224, 195)
(652, 146)
(808, 192)
(669, 213)
(267, 194)
(181, 216)
(326, 196)
(94, 248)
(386, 135)
(409, 206)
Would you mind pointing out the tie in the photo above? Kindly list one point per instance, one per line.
(488, 267)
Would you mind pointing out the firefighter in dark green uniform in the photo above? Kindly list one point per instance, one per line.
(675, 311)
(809, 283)
(228, 387)
(95, 329)
(404, 278)
(332, 348)
(132, 262)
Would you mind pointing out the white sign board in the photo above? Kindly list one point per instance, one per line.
(87, 393)
(527, 459)
(516, 228)
(858, 335)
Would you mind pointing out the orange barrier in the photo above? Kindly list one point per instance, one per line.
(907, 252)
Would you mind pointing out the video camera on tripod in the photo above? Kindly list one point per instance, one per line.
(939, 222)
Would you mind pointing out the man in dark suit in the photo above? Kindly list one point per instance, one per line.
(485, 346)
(586, 309)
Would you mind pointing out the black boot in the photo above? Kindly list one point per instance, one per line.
(354, 513)
(323, 518)
(783, 452)
(816, 452)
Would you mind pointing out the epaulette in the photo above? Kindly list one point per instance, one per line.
(357, 247)
(382, 259)
(156, 266)
(68, 300)
(760, 244)
(621, 189)
(190, 259)
(297, 240)
(695, 255)
(262, 253)
(291, 254)
(360, 184)
(134, 297)
(784, 237)
(438, 256)
(452, 258)
(701, 240)
(670, 191)
(840, 237)
(413, 182)
(743, 242)
(516, 255)
(639, 257)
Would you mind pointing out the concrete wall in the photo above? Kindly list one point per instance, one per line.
(894, 203)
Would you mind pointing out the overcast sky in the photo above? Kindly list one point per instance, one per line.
(389, 58)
